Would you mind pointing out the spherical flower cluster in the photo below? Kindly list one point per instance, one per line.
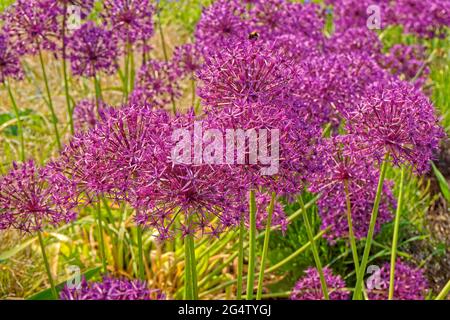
(130, 21)
(187, 59)
(337, 166)
(356, 40)
(156, 84)
(327, 86)
(32, 25)
(221, 23)
(409, 283)
(33, 198)
(10, 67)
(406, 61)
(425, 19)
(92, 49)
(309, 287)
(396, 118)
(111, 289)
(245, 72)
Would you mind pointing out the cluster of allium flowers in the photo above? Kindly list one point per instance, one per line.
(327, 86)
(86, 116)
(406, 61)
(32, 25)
(396, 118)
(111, 289)
(10, 67)
(130, 20)
(156, 84)
(92, 49)
(409, 283)
(245, 72)
(425, 19)
(221, 23)
(309, 287)
(32, 198)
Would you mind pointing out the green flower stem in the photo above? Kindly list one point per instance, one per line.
(47, 266)
(395, 235)
(98, 93)
(188, 289)
(265, 246)
(102, 241)
(444, 293)
(351, 235)
(50, 101)
(314, 250)
(127, 72)
(252, 247)
(140, 254)
(64, 64)
(193, 266)
(240, 270)
(19, 121)
(373, 220)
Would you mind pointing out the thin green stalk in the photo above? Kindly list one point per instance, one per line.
(102, 242)
(47, 266)
(314, 250)
(373, 220)
(19, 121)
(98, 93)
(351, 234)
(240, 270)
(444, 293)
(265, 247)
(140, 254)
(50, 101)
(188, 289)
(127, 72)
(64, 63)
(252, 247)
(193, 266)
(395, 235)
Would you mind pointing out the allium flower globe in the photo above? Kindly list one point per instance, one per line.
(10, 67)
(309, 287)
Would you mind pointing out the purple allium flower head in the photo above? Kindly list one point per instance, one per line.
(187, 59)
(405, 61)
(246, 72)
(156, 84)
(130, 20)
(86, 116)
(327, 86)
(355, 40)
(111, 289)
(309, 287)
(409, 283)
(395, 117)
(32, 25)
(92, 49)
(354, 13)
(32, 198)
(336, 165)
(193, 193)
(425, 19)
(221, 23)
(10, 66)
